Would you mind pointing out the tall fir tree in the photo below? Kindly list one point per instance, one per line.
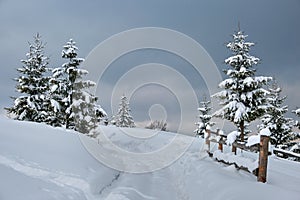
(243, 96)
(204, 117)
(33, 84)
(123, 117)
(63, 82)
(274, 119)
(78, 107)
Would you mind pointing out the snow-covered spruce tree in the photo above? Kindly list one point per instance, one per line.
(79, 107)
(33, 84)
(243, 96)
(274, 119)
(204, 116)
(63, 82)
(123, 117)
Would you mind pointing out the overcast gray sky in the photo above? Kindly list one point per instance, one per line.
(273, 25)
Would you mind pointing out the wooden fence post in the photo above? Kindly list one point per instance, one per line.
(233, 149)
(263, 159)
(220, 146)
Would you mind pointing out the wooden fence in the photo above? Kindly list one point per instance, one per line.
(261, 148)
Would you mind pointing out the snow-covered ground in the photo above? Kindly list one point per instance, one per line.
(41, 162)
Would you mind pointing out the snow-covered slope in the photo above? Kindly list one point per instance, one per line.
(40, 162)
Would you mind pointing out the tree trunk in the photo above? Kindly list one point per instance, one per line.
(68, 115)
(242, 127)
(68, 121)
(207, 141)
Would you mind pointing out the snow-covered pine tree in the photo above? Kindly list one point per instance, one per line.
(79, 107)
(274, 119)
(33, 84)
(297, 112)
(243, 97)
(63, 82)
(204, 116)
(123, 117)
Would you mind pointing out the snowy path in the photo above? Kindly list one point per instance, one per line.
(120, 186)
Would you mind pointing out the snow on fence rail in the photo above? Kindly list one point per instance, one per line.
(239, 162)
(259, 168)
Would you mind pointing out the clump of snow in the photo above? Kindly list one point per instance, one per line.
(265, 132)
(252, 140)
(55, 105)
(53, 88)
(231, 137)
(30, 103)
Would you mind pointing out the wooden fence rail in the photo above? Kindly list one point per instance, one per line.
(286, 154)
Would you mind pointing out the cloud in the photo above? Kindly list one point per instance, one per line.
(211, 24)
